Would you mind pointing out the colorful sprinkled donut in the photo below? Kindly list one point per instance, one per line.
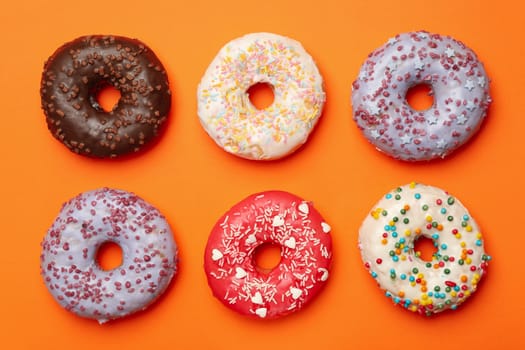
(272, 217)
(72, 79)
(386, 241)
(458, 82)
(68, 260)
(234, 123)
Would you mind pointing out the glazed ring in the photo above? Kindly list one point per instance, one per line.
(272, 217)
(75, 74)
(68, 260)
(231, 120)
(386, 241)
(458, 83)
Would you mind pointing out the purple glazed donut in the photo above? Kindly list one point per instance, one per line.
(458, 82)
(68, 260)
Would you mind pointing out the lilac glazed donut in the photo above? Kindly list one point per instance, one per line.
(68, 260)
(458, 82)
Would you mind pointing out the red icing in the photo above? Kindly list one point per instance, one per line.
(269, 217)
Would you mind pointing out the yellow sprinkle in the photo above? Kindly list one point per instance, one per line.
(467, 293)
(468, 228)
(453, 294)
(428, 218)
(424, 296)
(478, 236)
(407, 233)
(412, 184)
(458, 235)
(468, 260)
(463, 244)
(403, 257)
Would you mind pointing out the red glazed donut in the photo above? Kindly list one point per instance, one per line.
(306, 252)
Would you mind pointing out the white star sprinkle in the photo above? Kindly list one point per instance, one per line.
(481, 81)
(392, 65)
(391, 41)
(441, 144)
(374, 109)
(422, 35)
(470, 105)
(362, 75)
(419, 65)
(432, 120)
(450, 52)
(461, 119)
(469, 85)
(375, 134)
(406, 139)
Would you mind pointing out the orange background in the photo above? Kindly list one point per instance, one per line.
(193, 182)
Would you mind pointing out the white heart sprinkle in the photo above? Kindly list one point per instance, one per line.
(296, 292)
(240, 272)
(326, 228)
(261, 312)
(216, 254)
(251, 239)
(290, 243)
(257, 298)
(324, 272)
(277, 221)
(303, 208)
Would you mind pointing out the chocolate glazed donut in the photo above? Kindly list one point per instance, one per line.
(79, 70)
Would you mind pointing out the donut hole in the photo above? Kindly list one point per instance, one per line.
(105, 97)
(425, 249)
(420, 97)
(266, 257)
(261, 95)
(109, 256)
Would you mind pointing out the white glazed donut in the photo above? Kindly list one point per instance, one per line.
(231, 120)
(68, 260)
(386, 241)
(458, 82)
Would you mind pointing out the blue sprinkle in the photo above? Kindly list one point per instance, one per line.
(373, 274)
(394, 234)
(395, 258)
(465, 217)
(430, 294)
(387, 228)
(411, 278)
(403, 276)
(435, 236)
(417, 196)
(405, 250)
(402, 241)
(443, 211)
(456, 288)
(443, 246)
(392, 271)
(454, 306)
(388, 196)
(388, 294)
(479, 242)
(397, 300)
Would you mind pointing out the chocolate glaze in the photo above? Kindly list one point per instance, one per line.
(75, 74)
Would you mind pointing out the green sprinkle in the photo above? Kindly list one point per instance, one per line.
(450, 200)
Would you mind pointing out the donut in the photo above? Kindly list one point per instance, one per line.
(234, 123)
(272, 217)
(386, 241)
(75, 74)
(458, 83)
(68, 260)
